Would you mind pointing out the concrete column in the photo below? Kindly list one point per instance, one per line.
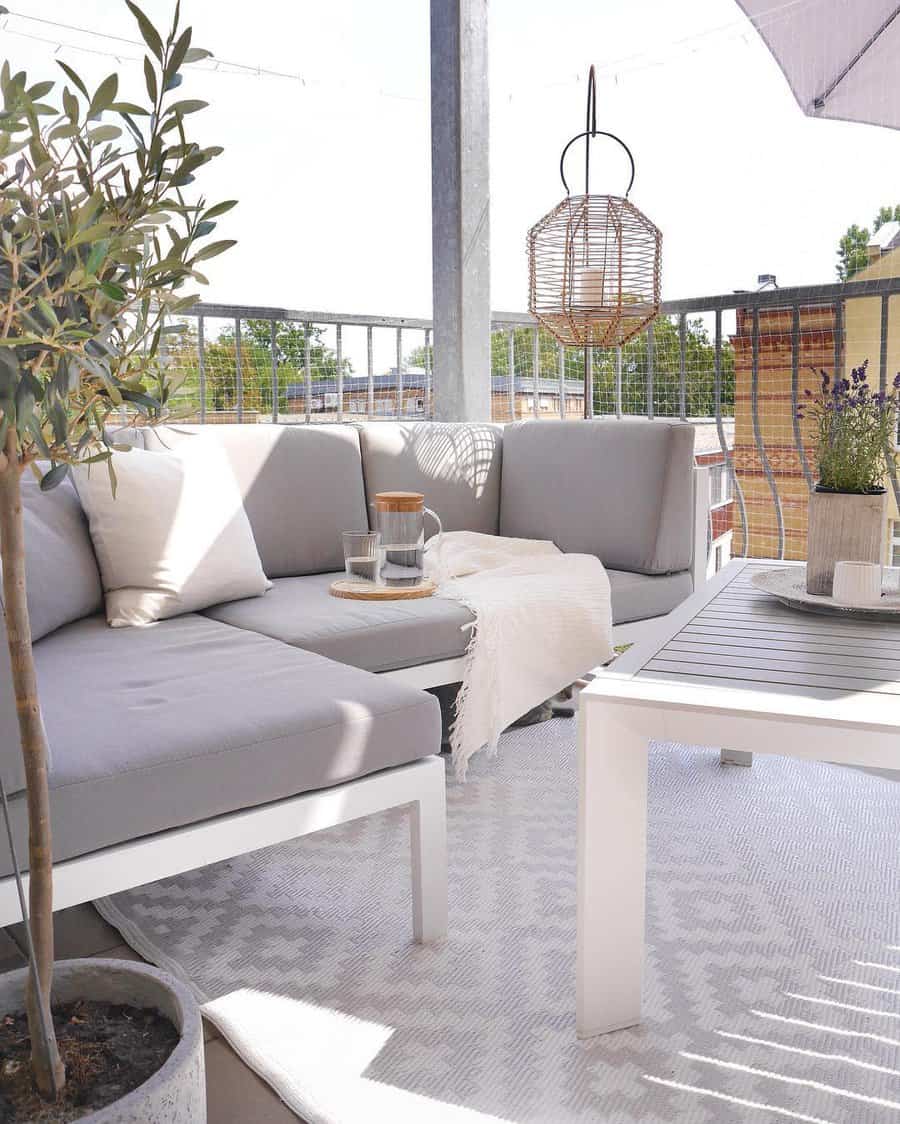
(460, 209)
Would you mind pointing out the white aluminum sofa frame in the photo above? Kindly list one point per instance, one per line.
(418, 786)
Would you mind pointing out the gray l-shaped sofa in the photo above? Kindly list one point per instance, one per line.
(214, 733)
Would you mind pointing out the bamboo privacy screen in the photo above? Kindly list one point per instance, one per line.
(594, 261)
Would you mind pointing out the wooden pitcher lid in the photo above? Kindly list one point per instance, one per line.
(399, 501)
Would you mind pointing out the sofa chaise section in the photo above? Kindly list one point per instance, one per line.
(189, 741)
(154, 728)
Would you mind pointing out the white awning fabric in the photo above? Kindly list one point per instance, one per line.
(840, 57)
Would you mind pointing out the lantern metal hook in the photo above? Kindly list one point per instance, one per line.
(591, 131)
(590, 126)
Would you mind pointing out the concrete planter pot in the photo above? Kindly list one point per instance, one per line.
(176, 1093)
(843, 527)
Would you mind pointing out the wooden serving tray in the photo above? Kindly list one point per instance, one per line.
(365, 591)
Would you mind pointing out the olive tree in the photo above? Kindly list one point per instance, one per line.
(99, 239)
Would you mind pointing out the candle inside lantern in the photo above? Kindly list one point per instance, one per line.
(587, 290)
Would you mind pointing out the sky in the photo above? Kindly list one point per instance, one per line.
(332, 165)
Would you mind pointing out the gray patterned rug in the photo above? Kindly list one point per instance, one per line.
(773, 982)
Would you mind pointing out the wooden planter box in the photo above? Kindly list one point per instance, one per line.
(842, 528)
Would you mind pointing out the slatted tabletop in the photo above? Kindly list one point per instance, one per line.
(743, 638)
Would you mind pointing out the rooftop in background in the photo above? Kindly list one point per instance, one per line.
(706, 437)
(417, 379)
(886, 237)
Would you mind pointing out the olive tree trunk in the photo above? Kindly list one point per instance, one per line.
(49, 1072)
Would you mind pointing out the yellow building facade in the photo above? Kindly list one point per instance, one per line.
(862, 340)
(769, 442)
(765, 450)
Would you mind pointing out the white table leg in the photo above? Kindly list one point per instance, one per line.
(612, 859)
(428, 846)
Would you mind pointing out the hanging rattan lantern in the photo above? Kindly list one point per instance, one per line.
(594, 260)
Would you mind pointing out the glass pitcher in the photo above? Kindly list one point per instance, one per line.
(400, 522)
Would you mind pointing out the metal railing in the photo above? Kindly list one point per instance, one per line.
(737, 362)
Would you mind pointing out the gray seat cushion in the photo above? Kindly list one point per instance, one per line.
(620, 489)
(637, 597)
(375, 635)
(455, 464)
(302, 486)
(156, 727)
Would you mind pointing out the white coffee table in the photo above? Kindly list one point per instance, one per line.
(730, 667)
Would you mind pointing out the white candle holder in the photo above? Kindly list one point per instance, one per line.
(857, 583)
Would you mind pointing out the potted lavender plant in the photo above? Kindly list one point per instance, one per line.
(856, 434)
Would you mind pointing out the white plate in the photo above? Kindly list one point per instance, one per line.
(788, 585)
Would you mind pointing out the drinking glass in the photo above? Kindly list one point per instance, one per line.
(362, 556)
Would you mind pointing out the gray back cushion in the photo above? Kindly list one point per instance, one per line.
(61, 572)
(302, 486)
(63, 584)
(455, 464)
(619, 489)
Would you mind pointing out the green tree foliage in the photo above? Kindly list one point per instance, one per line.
(886, 214)
(852, 252)
(100, 234)
(220, 364)
(700, 397)
(290, 346)
(699, 364)
(522, 361)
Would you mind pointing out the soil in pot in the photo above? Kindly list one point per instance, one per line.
(108, 1050)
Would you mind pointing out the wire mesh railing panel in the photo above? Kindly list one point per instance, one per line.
(667, 372)
(872, 335)
(779, 354)
(254, 354)
(573, 374)
(637, 375)
(182, 354)
(736, 366)
(604, 379)
(352, 360)
(532, 376)
(289, 347)
(289, 371)
(204, 358)
(417, 368)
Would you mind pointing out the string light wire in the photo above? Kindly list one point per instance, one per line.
(611, 70)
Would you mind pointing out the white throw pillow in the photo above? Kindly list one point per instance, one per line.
(175, 538)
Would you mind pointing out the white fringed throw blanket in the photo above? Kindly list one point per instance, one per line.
(542, 619)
